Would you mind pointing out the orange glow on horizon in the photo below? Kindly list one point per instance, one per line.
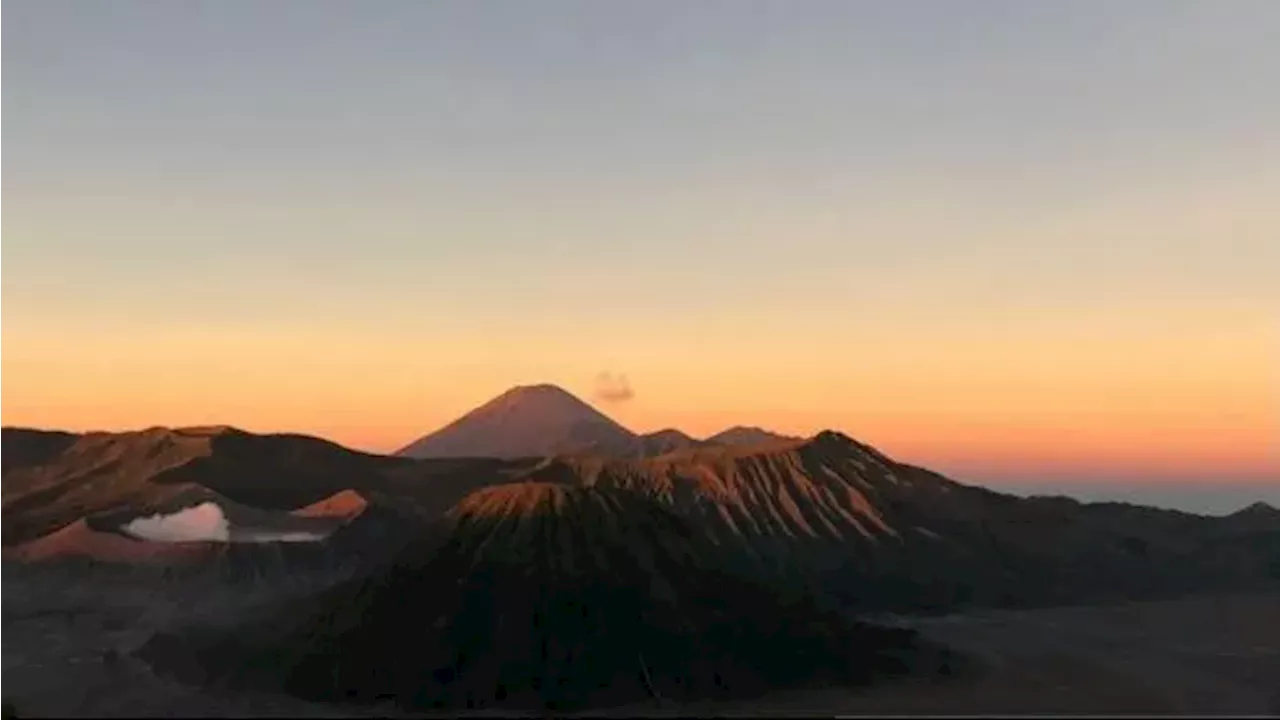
(1176, 400)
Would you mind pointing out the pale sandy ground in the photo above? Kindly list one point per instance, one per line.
(1218, 655)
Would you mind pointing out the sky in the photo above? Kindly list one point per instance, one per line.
(1024, 243)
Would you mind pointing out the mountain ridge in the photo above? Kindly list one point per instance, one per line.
(746, 435)
(544, 419)
(52, 479)
(878, 533)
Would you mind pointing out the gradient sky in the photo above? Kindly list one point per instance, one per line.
(1015, 241)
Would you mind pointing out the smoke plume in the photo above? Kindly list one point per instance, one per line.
(613, 388)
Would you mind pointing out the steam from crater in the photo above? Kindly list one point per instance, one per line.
(207, 522)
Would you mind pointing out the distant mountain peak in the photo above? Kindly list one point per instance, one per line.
(746, 435)
(833, 436)
(1259, 510)
(667, 432)
(210, 430)
(526, 421)
(535, 390)
(665, 441)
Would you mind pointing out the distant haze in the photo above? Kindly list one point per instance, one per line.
(1205, 498)
(1015, 241)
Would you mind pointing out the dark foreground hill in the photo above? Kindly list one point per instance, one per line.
(541, 595)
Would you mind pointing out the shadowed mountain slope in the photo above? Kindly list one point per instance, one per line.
(881, 534)
(24, 447)
(1258, 516)
(52, 479)
(541, 595)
